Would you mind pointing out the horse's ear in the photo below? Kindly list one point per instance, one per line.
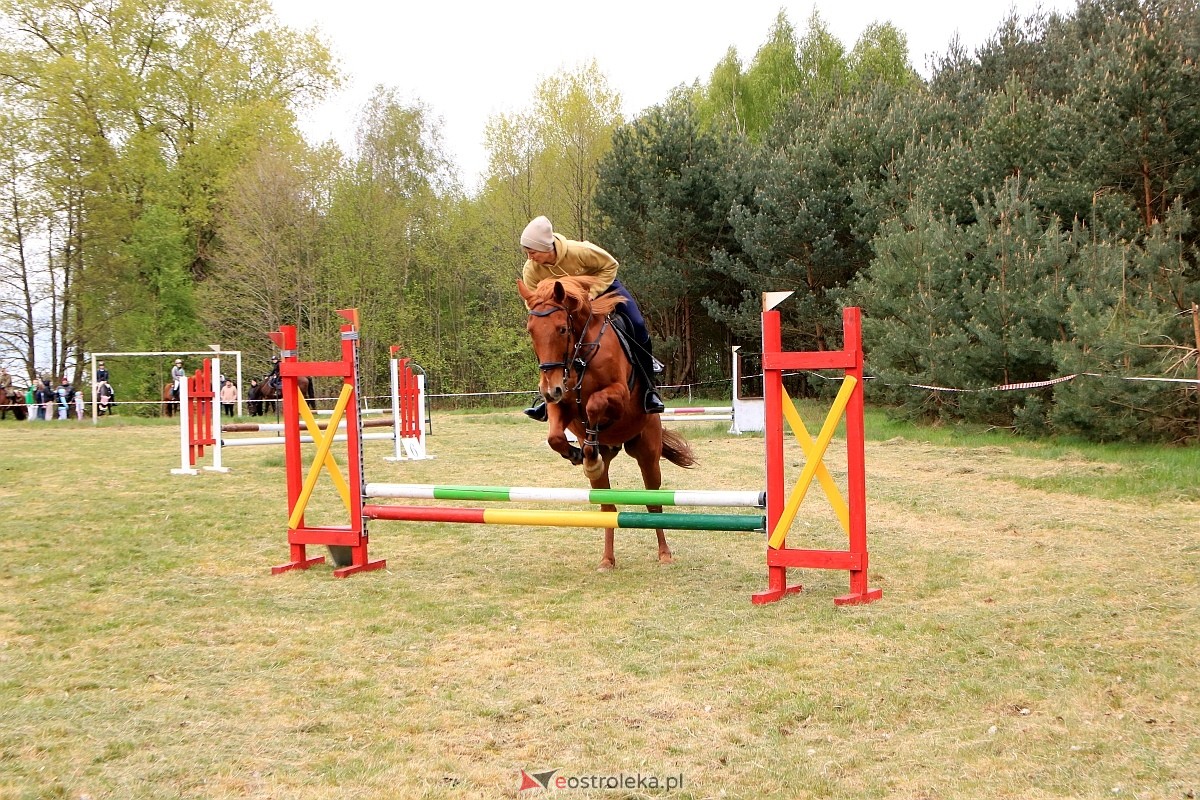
(523, 290)
(560, 294)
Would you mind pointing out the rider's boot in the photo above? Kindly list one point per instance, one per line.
(652, 404)
(537, 411)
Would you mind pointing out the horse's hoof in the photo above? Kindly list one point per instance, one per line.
(606, 566)
(666, 558)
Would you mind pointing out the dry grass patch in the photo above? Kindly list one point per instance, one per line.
(1029, 644)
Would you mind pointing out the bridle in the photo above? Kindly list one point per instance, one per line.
(574, 358)
(571, 358)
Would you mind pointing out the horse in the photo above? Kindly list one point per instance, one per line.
(265, 394)
(13, 400)
(170, 403)
(588, 383)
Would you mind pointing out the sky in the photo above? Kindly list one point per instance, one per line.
(469, 60)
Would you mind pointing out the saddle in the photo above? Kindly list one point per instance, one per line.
(620, 323)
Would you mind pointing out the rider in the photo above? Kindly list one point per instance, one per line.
(65, 394)
(101, 373)
(550, 255)
(274, 376)
(177, 376)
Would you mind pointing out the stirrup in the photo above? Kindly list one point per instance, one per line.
(537, 412)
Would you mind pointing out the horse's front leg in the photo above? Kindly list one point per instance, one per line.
(609, 558)
(556, 436)
(603, 409)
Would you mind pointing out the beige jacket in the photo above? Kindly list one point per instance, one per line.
(574, 258)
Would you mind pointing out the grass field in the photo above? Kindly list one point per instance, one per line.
(1038, 637)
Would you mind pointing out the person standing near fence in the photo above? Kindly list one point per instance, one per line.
(64, 395)
(31, 402)
(44, 399)
(229, 396)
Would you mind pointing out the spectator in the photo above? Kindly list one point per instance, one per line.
(64, 395)
(31, 402)
(45, 400)
(79, 406)
(229, 395)
(253, 405)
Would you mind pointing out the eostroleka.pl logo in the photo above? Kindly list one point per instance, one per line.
(551, 780)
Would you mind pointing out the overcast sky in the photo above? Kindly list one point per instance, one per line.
(469, 60)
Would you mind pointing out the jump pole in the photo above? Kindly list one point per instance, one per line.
(638, 497)
(851, 512)
(574, 519)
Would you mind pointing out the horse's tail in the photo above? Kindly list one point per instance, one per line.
(677, 450)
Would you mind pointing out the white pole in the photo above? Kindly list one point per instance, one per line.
(94, 417)
(239, 383)
(184, 467)
(422, 451)
(394, 379)
(216, 416)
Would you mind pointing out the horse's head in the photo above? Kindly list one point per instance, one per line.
(560, 311)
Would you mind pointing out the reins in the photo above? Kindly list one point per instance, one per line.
(575, 359)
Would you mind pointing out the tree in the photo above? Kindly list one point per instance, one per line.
(661, 197)
(139, 114)
(544, 160)
(577, 113)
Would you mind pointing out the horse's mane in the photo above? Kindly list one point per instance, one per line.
(578, 288)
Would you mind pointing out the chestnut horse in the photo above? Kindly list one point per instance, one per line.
(170, 403)
(589, 387)
(14, 401)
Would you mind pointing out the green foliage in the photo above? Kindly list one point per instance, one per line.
(544, 160)
(662, 196)
(138, 116)
(158, 244)
(1025, 214)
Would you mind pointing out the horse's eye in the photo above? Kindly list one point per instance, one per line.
(562, 330)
